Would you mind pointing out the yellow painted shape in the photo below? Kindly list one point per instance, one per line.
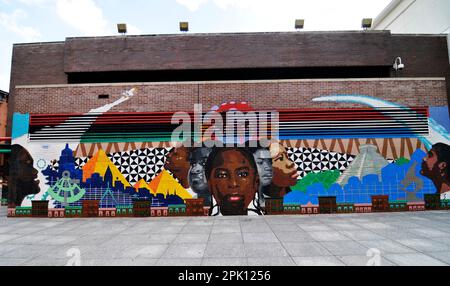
(142, 184)
(99, 164)
(164, 183)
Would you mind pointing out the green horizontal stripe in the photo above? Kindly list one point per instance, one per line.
(134, 133)
(127, 133)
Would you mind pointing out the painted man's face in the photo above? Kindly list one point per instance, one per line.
(23, 176)
(197, 177)
(284, 170)
(177, 162)
(263, 161)
(431, 167)
(233, 182)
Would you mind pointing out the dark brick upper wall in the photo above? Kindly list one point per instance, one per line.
(422, 55)
(35, 64)
(49, 63)
(38, 64)
(207, 51)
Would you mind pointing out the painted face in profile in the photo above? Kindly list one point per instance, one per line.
(177, 162)
(263, 161)
(284, 169)
(430, 164)
(197, 177)
(436, 166)
(233, 181)
(23, 176)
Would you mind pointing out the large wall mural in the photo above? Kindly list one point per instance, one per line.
(383, 157)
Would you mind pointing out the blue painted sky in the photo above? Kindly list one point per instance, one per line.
(23, 21)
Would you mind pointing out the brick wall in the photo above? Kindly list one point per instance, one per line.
(228, 50)
(3, 117)
(50, 63)
(259, 94)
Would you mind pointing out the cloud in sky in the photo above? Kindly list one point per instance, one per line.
(34, 2)
(84, 16)
(11, 23)
(4, 81)
(192, 5)
(53, 20)
(269, 15)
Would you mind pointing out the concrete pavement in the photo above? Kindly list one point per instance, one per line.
(421, 238)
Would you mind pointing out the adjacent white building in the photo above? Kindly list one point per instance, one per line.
(415, 17)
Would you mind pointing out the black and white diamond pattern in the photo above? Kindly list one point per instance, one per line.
(54, 165)
(139, 164)
(80, 162)
(136, 164)
(315, 160)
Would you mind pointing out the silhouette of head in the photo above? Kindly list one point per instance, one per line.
(22, 176)
(436, 165)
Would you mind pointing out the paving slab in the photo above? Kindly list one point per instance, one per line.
(225, 250)
(315, 227)
(414, 259)
(305, 249)
(120, 262)
(421, 238)
(188, 250)
(179, 262)
(264, 250)
(226, 238)
(226, 228)
(361, 235)
(196, 229)
(192, 238)
(299, 236)
(364, 260)
(291, 227)
(14, 261)
(214, 261)
(424, 245)
(443, 256)
(386, 246)
(255, 227)
(262, 237)
(344, 226)
(271, 261)
(430, 232)
(144, 251)
(318, 261)
(343, 248)
(330, 235)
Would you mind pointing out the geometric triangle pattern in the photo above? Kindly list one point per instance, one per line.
(315, 160)
(136, 165)
(80, 162)
(54, 165)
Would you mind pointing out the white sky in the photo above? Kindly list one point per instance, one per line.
(54, 20)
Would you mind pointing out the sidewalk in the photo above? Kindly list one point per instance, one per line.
(421, 238)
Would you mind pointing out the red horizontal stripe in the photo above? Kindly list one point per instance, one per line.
(285, 115)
